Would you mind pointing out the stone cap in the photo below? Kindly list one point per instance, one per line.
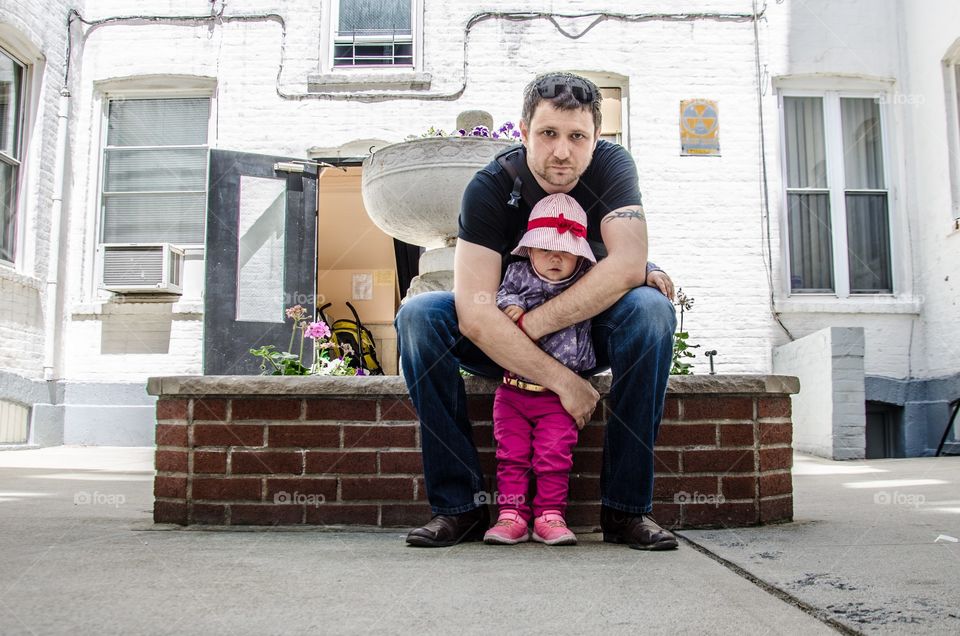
(247, 385)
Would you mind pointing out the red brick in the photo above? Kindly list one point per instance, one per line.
(718, 408)
(381, 436)
(340, 462)
(775, 459)
(172, 435)
(584, 515)
(209, 514)
(209, 409)
(718, 461)
(480, 408)
(172, 409)
(172, 487)
(584, 488)
(265, 409)
(404, 515)
(725, 515)
(667, 514)
(267, 462)
(591, 436)
(666, 462)
(483, 435)
(393, 409)
(324, 486)
(171, 461)
(488, 461)
(209, 462)
(265, 514)
(736, 435)
(777, 510)
(401, 462)
(738, 487)
(671, 409)
(667, 488)
(228, 435)
(341, 410)
(337, 514)
(587, 461)
(170, 512)
(364, 488)
(775, 434)
(303, 435)
(773, 407)
(687, 435)
(225, 489)
(772, 484)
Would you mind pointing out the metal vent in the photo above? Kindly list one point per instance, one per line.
(14, 420)
(142, 265)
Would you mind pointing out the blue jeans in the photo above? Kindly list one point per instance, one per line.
(639, 328)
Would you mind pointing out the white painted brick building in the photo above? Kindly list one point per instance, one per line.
(79, 358)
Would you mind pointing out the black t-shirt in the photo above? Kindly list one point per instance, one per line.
(610, 182)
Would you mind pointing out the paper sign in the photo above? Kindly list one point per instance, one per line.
(362, 286)
(699, 127)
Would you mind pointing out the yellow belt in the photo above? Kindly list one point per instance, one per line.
(526, 386)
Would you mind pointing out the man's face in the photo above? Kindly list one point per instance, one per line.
(559, 145)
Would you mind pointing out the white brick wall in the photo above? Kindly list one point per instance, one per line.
(35, 32)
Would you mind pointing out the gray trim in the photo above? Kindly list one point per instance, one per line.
(926, 408)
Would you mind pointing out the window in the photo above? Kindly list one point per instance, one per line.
(11, 124)
(611, 110)
(373, 33)
(838, 225)
(155, 171)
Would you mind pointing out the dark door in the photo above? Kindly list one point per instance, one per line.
(260, 257)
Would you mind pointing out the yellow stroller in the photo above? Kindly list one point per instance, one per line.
(354, 335)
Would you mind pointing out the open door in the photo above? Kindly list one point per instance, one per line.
(260, 256)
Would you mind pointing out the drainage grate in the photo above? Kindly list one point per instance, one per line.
(13, 423)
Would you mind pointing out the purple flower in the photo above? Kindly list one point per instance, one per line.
(317, 330)
(463, 133)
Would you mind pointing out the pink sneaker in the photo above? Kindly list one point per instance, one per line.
(509, 529)
(550, 528)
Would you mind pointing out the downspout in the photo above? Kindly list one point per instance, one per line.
(52, 317)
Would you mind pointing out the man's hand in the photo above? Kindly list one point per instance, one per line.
(661, 281)
(513, 312)
(579, 399)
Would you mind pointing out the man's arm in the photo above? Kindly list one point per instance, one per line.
(476, 275)
(624, 233)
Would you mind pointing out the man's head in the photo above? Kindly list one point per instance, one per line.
(559, 127)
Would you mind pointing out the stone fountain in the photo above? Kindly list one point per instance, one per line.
(412, 191)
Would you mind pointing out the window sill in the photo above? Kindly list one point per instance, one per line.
(188, 309)
(8, 273)
(367, 80)
(857, 305)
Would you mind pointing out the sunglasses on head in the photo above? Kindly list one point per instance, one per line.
(550, 87)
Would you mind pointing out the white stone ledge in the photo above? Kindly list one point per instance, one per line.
(8, 273)
(143, 305)
(825, 305)
(393, 385)
(368, 81)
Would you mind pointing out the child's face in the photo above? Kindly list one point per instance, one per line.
(553, 265)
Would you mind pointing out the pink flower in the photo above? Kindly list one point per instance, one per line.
(317, 330)
(296, 312)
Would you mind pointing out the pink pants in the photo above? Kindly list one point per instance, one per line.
(533, 431)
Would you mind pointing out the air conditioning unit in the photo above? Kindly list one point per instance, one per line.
(141, 268)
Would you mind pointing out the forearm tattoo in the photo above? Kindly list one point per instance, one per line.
(626, 213)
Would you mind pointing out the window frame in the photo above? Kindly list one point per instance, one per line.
(18, 162)
(107, 98)
(951, 85)
(416, 38)
(836, 188)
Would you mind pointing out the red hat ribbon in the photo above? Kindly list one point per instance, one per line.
(561, 223)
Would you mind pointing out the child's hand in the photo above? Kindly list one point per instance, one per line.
(513, 312)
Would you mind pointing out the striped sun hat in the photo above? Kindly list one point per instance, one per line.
(557, 222)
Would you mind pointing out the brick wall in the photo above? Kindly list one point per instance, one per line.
(351, 455)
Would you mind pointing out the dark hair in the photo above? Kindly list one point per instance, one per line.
(565, 91)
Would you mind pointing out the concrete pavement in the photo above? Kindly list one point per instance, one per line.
(81, 555)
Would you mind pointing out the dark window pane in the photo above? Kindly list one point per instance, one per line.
(149, 218)
(8, 206)
(862, 144)
(158, 122)
(806, 152)
(372, 17)
(11, 79)
(868, 243)
(811, 251)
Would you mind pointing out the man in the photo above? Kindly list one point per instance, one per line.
(633, 323)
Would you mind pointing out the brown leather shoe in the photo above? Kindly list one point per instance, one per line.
(640, 532)
(447, 530)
